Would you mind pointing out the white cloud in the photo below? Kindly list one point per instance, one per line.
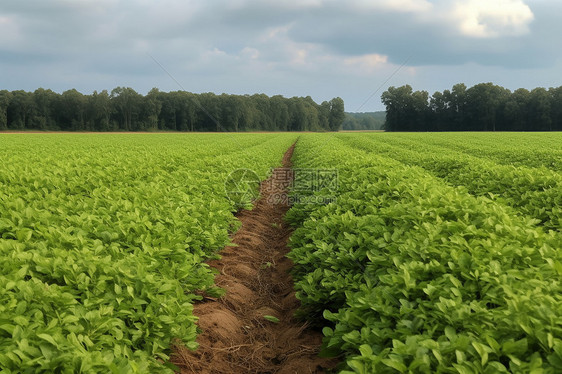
(402, 6)
(485, 19)
(366, 63)
(250, 53)
(273, 33)
(213, 54)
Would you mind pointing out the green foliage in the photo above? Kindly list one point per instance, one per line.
(412, 273)
(364, 121)
(534, 191)
(102, 243)
(483, 107)
(127, 110)
(337, 113)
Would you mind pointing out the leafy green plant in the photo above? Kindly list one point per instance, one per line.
(414, 274)
(534, 191)
(103, 241)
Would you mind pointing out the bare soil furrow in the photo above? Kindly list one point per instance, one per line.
(236, 337)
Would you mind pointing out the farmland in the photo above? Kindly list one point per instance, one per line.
(102, 239)
(437, 252)
(440, 254)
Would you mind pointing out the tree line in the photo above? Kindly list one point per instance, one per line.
(483, 107)
(364, 121)
(123, 109)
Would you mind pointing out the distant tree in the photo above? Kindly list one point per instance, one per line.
(20, 110)
(209, 112)
(232, 112)
(440, 112)
(298, 118)
(457, 103)
(150, 110)
(540, 110)
(98, 111)
(483, 107)
(515, 113)
(397, 102)
(262, 118)
(484, 101)
(181, 103)
(324, 115)
(71, 109)
(419, 112)
(191, 110)
(127, 106)
(167, 117)
(351, 123)
(312, 118)
(45, 103)
(280, 112)
(364, 121)
(406, 110)
(556, 108)
(337, 114)
(125, 109)
(5, 97)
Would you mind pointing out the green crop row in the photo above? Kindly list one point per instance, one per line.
(414, 275)
(518, 149)
(102, 239)
(536, 192)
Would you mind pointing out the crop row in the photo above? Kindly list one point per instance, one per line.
(536, 192)
(102, 239)
(519, 149)
(414, 275)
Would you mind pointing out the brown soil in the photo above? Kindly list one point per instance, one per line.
(236, 338)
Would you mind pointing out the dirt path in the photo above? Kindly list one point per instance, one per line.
(236, 337)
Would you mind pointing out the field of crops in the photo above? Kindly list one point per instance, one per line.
(102, 239)
(437, 252)
(442, 252)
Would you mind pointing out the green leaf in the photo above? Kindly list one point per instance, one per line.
(517, 348)
(357, 366)
(48, 338)
(462, 369)
(366, 350)
(395, 364)
(271, 318)
(450, 333)
(482, 351)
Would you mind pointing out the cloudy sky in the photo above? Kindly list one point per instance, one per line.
(321, 48)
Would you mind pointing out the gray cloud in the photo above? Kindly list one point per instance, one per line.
(429, 39)
(322, 48)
